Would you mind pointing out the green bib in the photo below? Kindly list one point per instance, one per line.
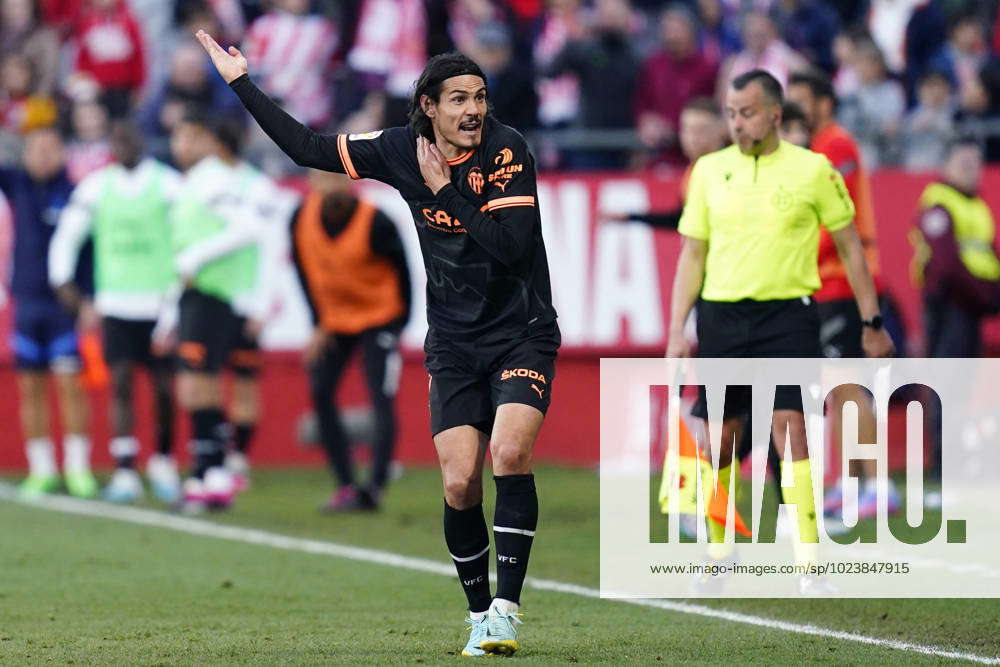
(974, 228)
(226, 276)
(132, 238)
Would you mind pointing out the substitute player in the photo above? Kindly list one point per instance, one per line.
(125, 208)
(353, 271)
(840, 321)
(492, 341)
(45, 340)
(751, 225)
(266, 206)
(216, 259)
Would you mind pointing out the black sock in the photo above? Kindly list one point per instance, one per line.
(208, 439)
(514, 526)
(243, 435)
(469, 545)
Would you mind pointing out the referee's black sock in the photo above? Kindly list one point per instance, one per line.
(513, 531)
(469, 545)
(208, 439)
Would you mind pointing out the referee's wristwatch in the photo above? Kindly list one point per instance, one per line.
(875, 323)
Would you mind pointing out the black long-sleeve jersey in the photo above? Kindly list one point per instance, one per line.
(480, 236)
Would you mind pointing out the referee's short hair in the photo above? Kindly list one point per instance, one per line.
(770, 85)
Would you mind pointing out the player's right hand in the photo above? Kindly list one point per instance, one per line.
(231, 65)
(678, 346)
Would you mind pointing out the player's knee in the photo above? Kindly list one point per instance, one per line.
(462, 491)
(510, 458)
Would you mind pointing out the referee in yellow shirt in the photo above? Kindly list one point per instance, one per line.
(751, 227)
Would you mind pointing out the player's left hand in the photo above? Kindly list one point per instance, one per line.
(877, 343)
(433, 167)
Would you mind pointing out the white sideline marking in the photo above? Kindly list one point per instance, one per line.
(192, 526)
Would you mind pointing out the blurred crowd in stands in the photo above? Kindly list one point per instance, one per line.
(598, 84)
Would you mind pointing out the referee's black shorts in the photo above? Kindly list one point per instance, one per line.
(783, 328)
(840, 329)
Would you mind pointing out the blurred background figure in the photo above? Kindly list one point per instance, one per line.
(254, 308)
(22, 32)
(188, 88)
(89, 147)
(930, 125)
(956, 264)
(606, 65)
(216, 254)
(45, 338)
(125, 208)
(763, 49)
(110, 53)
(352, 267)
(22, 107)
(873, 114)
(809, 27)
(671, 77)
(794, 125)
(702, 131)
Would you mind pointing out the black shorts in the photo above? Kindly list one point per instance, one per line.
(840, 329)
(128, 340)
(785, 328)
(244, 359)
(471, 379)
(206, 332)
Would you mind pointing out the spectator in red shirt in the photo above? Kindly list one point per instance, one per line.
(110, 51)
(670, 77)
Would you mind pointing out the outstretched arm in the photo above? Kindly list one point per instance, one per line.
(306, 147)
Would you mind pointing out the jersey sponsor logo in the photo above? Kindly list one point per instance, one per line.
(364, 135)
(522, 373)
(504, 175)
(475, 179)
(505, 156)
(440, 220)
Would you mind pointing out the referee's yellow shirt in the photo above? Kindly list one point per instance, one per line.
(760, 217)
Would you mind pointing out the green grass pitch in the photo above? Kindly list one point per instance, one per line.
(82, 590)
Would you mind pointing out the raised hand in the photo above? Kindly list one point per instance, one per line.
(231, 65)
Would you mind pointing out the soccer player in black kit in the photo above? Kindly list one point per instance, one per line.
(470, 183)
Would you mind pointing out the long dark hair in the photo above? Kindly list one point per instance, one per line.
(431, 81)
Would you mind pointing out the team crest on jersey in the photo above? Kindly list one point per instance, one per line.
(476, 180)
(366, 135)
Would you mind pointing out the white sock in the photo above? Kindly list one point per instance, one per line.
(124, 445)
(503, 607)
(41, 457)
(76, 453)
(477, 615)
